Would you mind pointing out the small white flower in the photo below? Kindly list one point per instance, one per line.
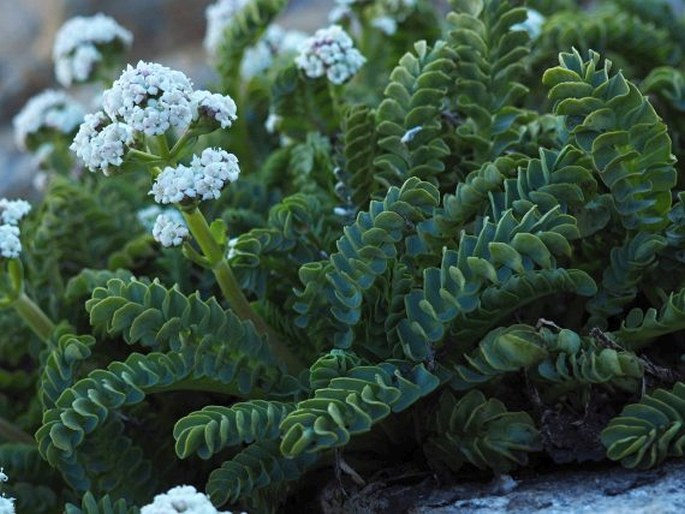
(219, 16)
(183, 498)
(83, 42)
(150, 98)
(50, 111)
(220, 108)
(10, 245)
(169, 231)
(101, 144)
(203, 179)
(330, 52)
(12, 211)
(532, 25)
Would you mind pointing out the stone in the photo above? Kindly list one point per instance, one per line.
(593, 489)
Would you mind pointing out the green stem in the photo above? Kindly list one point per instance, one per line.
(163, 147)
(144, 156)
(178, 146)
(34, 317)
(230, 288)
(12, 434)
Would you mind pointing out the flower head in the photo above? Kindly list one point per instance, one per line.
(183, 498)
(10, 245)
(45, 114)
(84, 43)
(330, 52)
(203, 179)
(219, 16)
(219, 110)
(12, 211)
(169, 230)
(101, 144)
(151, 99)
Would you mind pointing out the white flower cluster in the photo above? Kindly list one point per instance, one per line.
(101, 143)
(183, 498)
(82, 43)
(169, 231)
(532, 25)
(212, 106)
(11, 213)
(147, 100)
(150, 98)
(203, 179)
(148, 216)
(50, 111)
(330, 52)
(275, 42)
(219, 16)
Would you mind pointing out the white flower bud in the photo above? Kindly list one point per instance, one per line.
(330, 52)
(101, 144)
(218, 108)
(168, 231)
(151, 99)
(45, 114)
(148, 216)
(10, 245)
(83, 43)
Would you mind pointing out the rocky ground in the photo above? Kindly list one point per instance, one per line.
(604, 489)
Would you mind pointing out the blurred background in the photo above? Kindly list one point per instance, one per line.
(166, 31)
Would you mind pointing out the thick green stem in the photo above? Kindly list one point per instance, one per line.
(231, 289)
(34, 317)
(12, 434)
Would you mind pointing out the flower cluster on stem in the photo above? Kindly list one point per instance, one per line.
(330, 53)
(204, 179)
(48, 114)
(148, 103)
(85, 44)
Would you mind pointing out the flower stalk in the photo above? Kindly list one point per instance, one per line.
(216, 260)
(34, 317)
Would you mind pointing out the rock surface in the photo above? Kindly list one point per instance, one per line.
(606, 489)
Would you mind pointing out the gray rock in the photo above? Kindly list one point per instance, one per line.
(605, 490)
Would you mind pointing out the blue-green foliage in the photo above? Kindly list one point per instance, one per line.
(453, 244)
